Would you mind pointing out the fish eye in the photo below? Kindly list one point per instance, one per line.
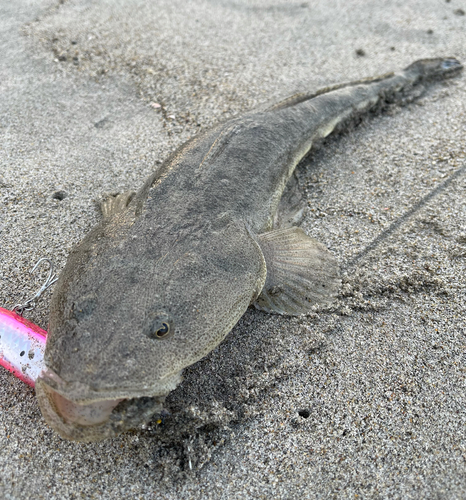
(163, 331)
(158, 325)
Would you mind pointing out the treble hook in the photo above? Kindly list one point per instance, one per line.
(31, 303)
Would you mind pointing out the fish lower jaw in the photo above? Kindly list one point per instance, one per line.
(82, 414)
(97, 420)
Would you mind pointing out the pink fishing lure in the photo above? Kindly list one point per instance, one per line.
(22, 346)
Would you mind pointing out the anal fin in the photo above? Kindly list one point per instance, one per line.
(301, 272)
(116, 203)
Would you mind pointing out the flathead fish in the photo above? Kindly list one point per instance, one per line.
(170, 270)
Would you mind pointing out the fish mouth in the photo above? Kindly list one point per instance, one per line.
(90, 421)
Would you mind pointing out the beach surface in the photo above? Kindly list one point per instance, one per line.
(365, 398)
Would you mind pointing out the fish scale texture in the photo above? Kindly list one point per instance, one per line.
(364, 399)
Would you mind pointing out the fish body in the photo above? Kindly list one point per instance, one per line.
(22, 346)
(169, 271)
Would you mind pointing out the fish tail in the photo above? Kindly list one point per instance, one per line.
(433, 69)
(419, 71)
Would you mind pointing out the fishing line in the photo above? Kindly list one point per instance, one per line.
(401, 220)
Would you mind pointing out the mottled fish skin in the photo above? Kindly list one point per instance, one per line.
(165, 276)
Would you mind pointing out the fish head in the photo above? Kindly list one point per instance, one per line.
(127, 318)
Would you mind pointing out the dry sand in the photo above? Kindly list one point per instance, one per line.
(364, 399)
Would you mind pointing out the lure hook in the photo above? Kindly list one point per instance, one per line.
(31, 303)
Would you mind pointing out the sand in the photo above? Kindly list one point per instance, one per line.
(362, 399)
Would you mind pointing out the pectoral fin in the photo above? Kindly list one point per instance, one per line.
(301, 272)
